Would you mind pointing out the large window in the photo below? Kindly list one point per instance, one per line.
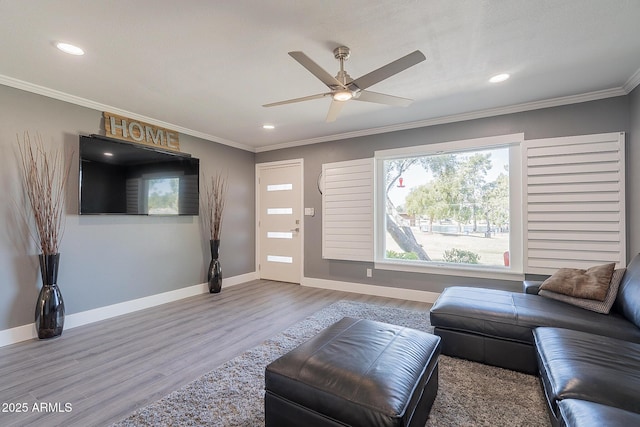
(450, 207)
(492, 207)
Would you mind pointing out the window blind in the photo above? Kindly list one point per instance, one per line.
(575, 202)
(347, 210)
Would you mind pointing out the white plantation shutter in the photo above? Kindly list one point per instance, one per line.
(347, 210)
(574, 198)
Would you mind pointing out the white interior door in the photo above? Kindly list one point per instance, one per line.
(280, 221)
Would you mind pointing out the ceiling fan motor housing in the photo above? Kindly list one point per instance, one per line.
(342, 53)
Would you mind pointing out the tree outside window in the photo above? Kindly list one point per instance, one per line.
(448, 208)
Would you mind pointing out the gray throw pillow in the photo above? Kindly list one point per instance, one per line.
(598, 306)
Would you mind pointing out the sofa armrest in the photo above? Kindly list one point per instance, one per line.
(531, 286)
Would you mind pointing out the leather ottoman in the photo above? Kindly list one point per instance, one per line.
(355, 373)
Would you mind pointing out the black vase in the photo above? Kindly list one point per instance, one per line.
(214, 276)
(50, 306)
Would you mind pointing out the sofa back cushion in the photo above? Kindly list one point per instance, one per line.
(628, 301)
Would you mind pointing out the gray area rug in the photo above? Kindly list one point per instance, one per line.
(469, 394)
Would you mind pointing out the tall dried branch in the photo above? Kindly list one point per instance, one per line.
(44, 178)
(216, 190)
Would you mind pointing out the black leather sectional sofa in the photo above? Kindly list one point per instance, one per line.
(588, 363)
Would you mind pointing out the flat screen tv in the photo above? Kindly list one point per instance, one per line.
(122, 178)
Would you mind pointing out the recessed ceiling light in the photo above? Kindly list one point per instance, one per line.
(268, 127)
(70, 49)
(499, 78)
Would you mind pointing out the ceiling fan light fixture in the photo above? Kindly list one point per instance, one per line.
(343, 95)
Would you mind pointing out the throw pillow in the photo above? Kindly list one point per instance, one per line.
(599, 307)
(590, 284)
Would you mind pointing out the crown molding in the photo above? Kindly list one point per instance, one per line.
(480, 114)
(83, 102)
(633, 82)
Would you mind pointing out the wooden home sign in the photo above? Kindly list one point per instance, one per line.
(140, 132)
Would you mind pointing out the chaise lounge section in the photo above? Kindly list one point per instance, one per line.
(496, 327)
(588, 362)
(588, 367)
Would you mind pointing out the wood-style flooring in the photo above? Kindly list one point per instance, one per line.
(97, 374)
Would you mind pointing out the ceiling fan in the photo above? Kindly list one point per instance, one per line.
(343, 88)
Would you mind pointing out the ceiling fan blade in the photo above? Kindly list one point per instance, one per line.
(388, 70)
(316, 70)
(334, 110)
(381, 98)
(304, 98)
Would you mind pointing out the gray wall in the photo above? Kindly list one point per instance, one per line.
(633, 174)
(111, 259)
(107, 260)
(609, 115)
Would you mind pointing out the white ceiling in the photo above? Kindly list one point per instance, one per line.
(205, 67)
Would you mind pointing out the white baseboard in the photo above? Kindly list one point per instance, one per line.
(381, 291)
(17, 334)
(27, 332)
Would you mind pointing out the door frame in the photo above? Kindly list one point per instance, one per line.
(267, 165)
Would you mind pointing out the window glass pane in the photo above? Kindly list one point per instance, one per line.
(279, 211)
(279, 187)
(280, 235)
(449, 208)
(282, 259)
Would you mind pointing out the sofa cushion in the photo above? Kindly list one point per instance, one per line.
(512, 316)
(589, 304)
(628, 301)
(579, 365)
(581, 413)
(592, 283)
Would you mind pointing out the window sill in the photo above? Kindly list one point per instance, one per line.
(481, 273)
